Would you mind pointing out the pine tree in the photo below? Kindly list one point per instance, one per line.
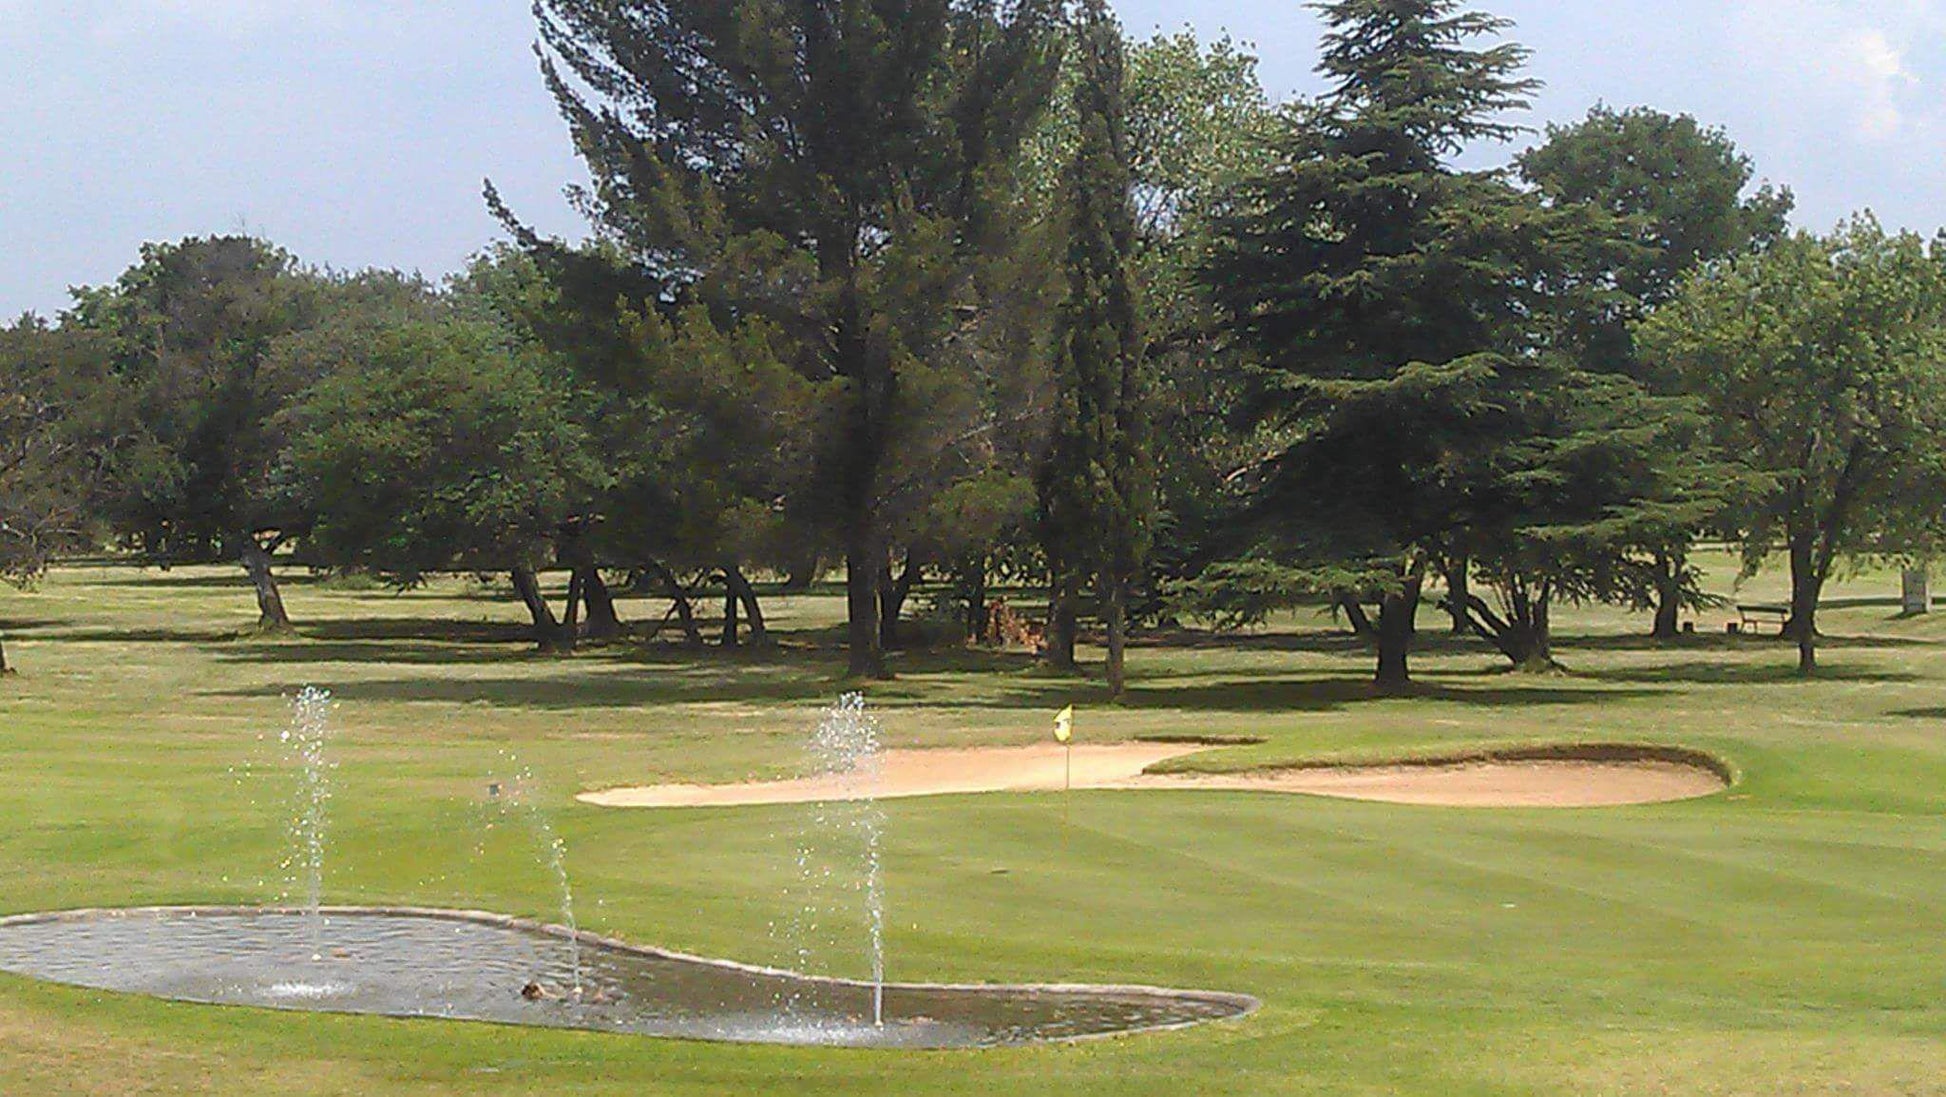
(1097, 483)
(1680, 197)
(827, 165)
(1382, 288)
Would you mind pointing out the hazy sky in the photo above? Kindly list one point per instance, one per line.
(357, 132)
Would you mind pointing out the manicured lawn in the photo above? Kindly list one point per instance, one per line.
(1786, 937)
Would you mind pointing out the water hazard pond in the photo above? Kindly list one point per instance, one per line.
(476, 967)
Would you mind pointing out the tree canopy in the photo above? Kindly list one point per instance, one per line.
(1822, 362)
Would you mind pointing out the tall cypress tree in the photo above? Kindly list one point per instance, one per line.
(1383, 288)
(1097, 483)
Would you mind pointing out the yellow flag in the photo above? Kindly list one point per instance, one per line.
(1064, 725)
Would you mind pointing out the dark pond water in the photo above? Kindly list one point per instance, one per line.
(484, 968)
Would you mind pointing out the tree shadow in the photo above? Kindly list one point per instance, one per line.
(1725, 642)
(1316, 642)
(374, 652)
(1740, 674)
(438, 630)
(962, 660)
(203, 636)
(578, 691)
(238, 581)
(1318, 695)
(680, 678)
(1935, 713)
(24, 625)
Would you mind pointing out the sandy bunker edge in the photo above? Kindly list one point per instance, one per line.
(1545, 775)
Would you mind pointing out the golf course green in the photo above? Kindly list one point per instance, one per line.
(1785, 936)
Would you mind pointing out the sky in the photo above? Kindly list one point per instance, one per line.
(357, 133)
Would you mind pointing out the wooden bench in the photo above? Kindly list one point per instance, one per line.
(1749, 616)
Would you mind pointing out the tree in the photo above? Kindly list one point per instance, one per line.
(190, 330)
(1821, 363)
(1594, 472)
(55, 397)
(1096, 485)
(1383, 289)
(438, 446)
(705, 431)
(1679, 196)
(827, 165)
(1197, 121)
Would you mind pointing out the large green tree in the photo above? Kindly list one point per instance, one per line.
(1592, 473)
(437, 445)
(56, 404)
(703, 426)
(1097, 483)
(192, 331)
(1678, 195)
(827, 164)
(1385, 290)
(1822, 365)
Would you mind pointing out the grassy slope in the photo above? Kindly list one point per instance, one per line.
(1783, 938)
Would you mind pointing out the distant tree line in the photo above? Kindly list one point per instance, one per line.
(945, 291)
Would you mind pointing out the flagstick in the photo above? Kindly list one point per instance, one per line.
(1067, 783)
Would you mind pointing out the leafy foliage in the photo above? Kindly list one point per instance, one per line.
(1821, 363)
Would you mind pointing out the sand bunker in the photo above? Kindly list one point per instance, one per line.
(922, 773)
(1497, 784)
(1490, 782)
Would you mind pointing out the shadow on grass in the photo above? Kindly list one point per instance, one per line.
(1741, 674)
(300, 652)
(438, 630)
(577, 691)
(1316, 695)
(1936, 713)
(586, 684)
(1723, 642)
(206, 636)
(1315, 642)
(238, 581)
(23, 626)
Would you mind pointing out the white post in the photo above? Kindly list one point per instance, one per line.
(1917, 594)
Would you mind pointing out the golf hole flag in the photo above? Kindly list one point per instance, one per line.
(1064, 725)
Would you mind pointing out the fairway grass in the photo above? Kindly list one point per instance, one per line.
(1787, 936)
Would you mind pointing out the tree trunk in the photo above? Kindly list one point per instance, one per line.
(1668, 595)
(1525, 635)
(730, 605)
(892, 594)
(864, 560)
(1540, 635)
(970, 580)
(603, 622)
(753, 613)
(4, 668)
(1397, 616)
(1354, 611)
(1806, 585)
(548, 635)
(271, 616)
(1115, 610)
(571, 623)
(803, 571)
(872, 385)
(685, 613)
(1459, 588)
(1062, 623)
